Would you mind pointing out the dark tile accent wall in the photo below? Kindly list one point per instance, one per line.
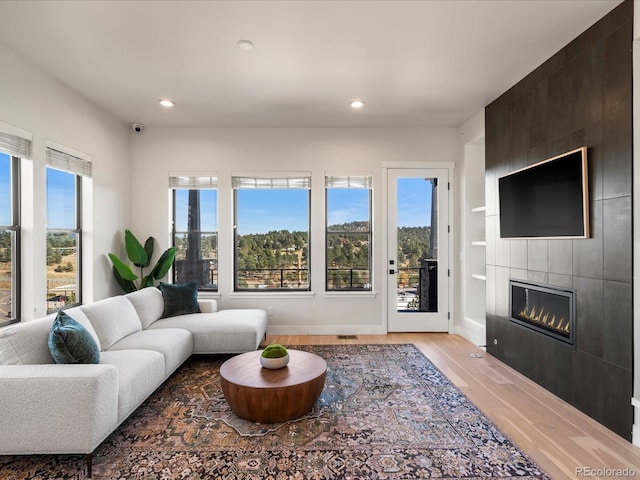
(580, 97)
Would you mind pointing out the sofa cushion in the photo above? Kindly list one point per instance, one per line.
(26, 343)
(175, 344)
(70, 342)
(148, 303)
(208, 305)
(78, 315)
(140, 372)
(179, 299)
(113, 319)
(226, 331)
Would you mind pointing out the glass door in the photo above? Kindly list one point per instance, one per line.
(418, 256)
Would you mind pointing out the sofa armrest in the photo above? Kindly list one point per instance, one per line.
(208, 305)
(56, 408)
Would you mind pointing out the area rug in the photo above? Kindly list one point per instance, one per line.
(386, 412)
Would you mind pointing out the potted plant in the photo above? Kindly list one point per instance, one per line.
(274, 356)
(140, 257)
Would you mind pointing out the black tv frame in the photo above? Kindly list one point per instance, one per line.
(584, 233)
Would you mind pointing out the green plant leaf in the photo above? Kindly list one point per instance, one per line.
(164, 263)
(140, 256)
(148, 248)
(147, 281)
(122, 268)
(127, 286)
(135, 251)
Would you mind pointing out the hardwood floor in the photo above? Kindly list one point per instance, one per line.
(560, 438)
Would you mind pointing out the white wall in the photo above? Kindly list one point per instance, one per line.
(34, 101)
(470, 321)
(157, 151)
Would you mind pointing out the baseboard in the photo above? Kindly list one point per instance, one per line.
(326, 330)
(472, 330)
(635, 435)
(469, 329)
(635, 431)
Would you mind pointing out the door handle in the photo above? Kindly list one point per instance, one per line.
(392, 271)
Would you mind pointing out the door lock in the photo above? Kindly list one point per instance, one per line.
(392, 271)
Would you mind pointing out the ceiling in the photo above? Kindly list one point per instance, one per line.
(414, 63)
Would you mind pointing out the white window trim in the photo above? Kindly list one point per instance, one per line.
(368, 180)
(305, 183)
(193, 181)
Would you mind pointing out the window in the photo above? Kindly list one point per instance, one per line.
(272, 232)
(12, 149)
(64, 229)
(195, 230)
(348, 235)
(9, 238)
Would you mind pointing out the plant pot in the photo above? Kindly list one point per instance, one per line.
(274, 363)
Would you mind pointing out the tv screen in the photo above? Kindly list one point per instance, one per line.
(548, 199)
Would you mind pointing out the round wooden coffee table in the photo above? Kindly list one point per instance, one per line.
(267, 396)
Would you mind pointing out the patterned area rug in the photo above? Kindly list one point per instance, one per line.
(385, 413)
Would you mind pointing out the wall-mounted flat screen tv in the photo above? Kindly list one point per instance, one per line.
(547, 200)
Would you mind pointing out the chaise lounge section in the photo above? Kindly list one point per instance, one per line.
(49, 408)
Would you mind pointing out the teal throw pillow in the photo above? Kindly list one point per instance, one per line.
(70, 342)
(179, 299)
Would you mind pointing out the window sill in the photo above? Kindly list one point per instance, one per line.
(350, 294)
(205, 295)
(271, 295)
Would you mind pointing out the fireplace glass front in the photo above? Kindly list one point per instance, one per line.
(546, 309)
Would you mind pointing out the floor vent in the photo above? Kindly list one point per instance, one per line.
(347, 337)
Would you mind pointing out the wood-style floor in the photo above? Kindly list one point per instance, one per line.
(564, 442)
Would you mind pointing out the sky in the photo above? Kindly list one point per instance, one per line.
(260, 211)
(414, 202)
(208, 210)
(5, 189)
(61, 207)
(61, 199)
(61, 188)
(346, 205)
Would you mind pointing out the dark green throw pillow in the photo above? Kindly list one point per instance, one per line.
(70, 342)
(179, 299)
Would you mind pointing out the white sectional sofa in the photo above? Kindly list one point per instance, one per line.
(70, 408)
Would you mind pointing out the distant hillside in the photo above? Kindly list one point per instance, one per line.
(347, 246)
(413, 244)
(276, 249)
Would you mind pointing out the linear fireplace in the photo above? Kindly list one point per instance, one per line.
(546, 309)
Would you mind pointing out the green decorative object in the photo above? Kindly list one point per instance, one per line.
(140, 257)
(274, 356)
(274, 351)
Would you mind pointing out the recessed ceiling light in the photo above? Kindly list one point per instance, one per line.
(165, 102)
(244, 44)
(357, 104)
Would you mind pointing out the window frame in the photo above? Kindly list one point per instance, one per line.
(77, 231)
(16, 255)
(346, 180)
(282, 181)
(175, 232)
